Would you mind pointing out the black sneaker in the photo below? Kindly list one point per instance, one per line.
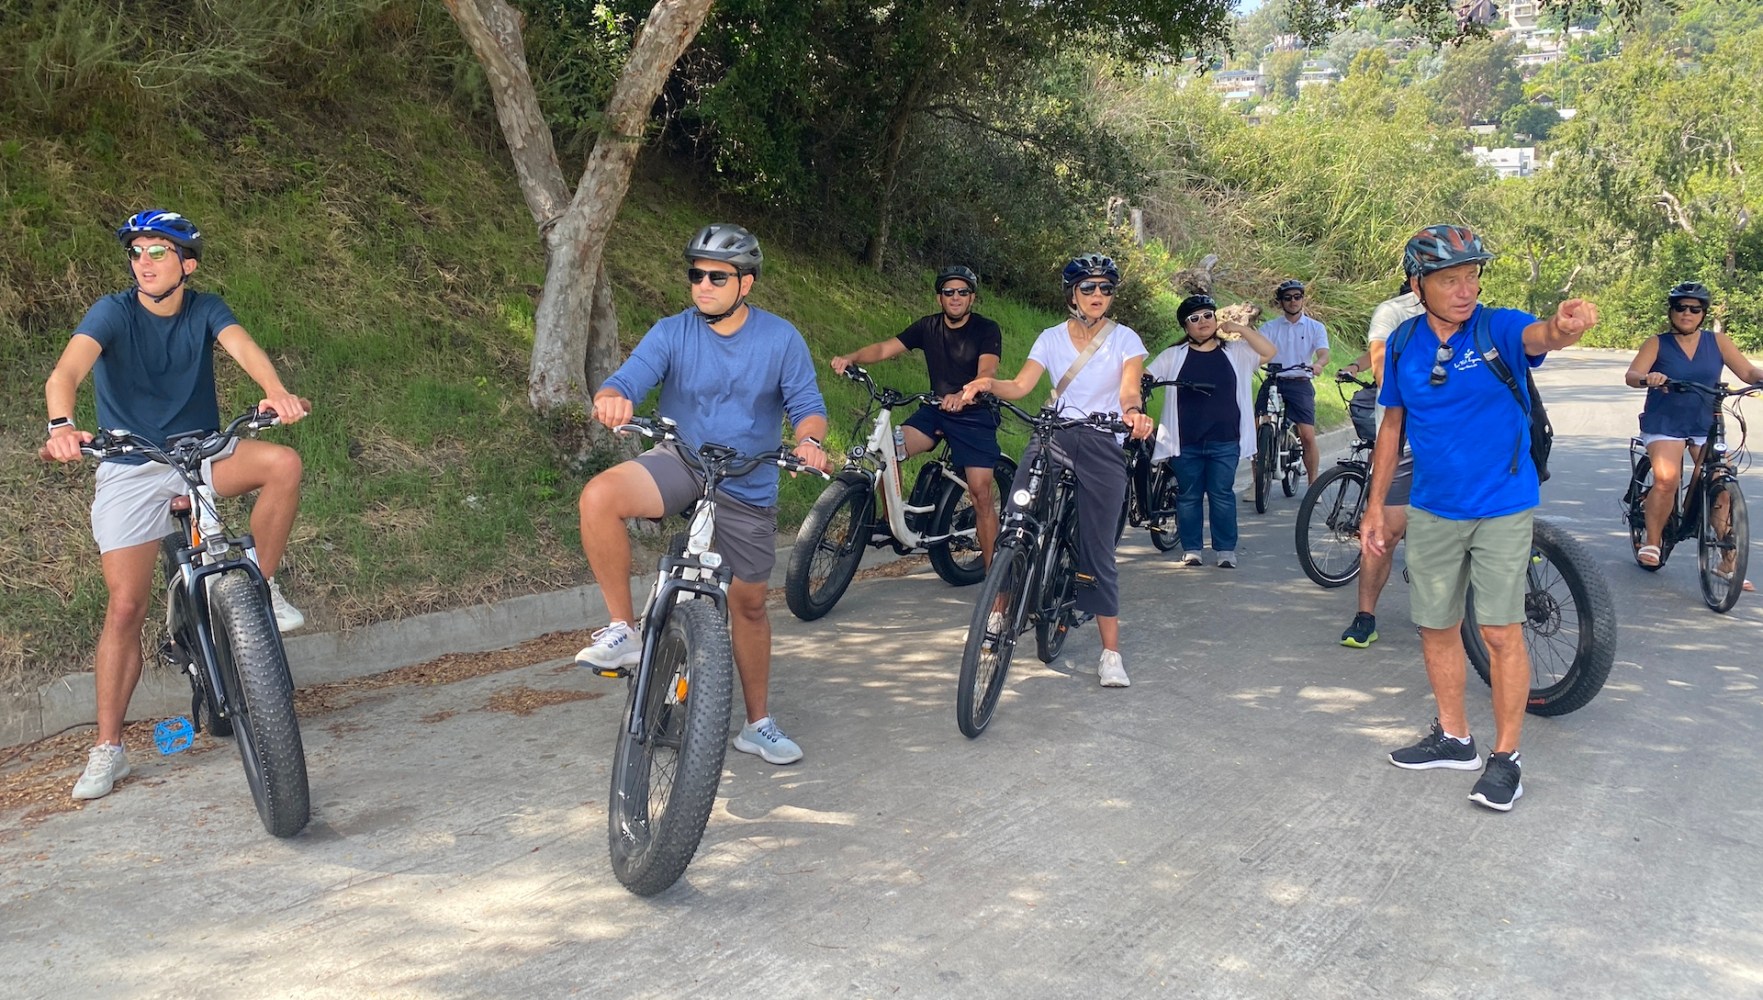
(1438, 750)
(1499, 786)
(1363, 631)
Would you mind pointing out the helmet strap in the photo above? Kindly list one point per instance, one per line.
(716, 318)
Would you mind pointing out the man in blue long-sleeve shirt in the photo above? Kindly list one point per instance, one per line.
(729, 373)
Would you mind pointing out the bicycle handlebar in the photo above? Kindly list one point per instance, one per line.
(1712, 390)
(1343, 376)
(184, 450)
(1149, 383)
(885, 396)
(728, 463)
(1047, 421)
(1274, 369)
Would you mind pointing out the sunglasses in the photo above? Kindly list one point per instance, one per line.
(1199, 315)
(1292, 297)
(153, 253)
(696, 276)
(1092, 287)
(955, 293)
(1692, 308)
(1439, 371)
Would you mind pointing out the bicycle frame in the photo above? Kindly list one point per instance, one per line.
(877, 462)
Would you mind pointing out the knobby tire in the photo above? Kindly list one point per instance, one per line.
(985, 661)
(262, 701)
(1327, 533)
(1724, 542)
(829, 546)
(960, 562)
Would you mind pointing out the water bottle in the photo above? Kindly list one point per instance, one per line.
(900, 444)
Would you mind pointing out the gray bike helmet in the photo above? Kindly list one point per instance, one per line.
(728, 243)
(956, 271)
(1289, 285)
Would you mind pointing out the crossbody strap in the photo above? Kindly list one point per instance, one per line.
(1083, 358)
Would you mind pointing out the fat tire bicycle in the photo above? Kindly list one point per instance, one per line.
(1709, 506)
(1032, 582)
(1327, 528)
(1151, 486)
(1279, 454)
(220, 629)
(863, 508)
(674, 731)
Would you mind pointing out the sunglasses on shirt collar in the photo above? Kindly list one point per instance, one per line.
(1439, 371)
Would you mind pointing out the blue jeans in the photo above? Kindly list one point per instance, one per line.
(1207, 471)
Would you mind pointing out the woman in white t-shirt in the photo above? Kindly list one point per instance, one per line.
(1108, 382)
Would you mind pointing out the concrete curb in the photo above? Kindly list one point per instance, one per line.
(71, 700)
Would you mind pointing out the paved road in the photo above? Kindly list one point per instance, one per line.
(1227, 827)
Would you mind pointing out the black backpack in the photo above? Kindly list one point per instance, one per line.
(1542, 433)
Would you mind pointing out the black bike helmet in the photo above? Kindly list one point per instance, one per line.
(180, 231)
(1689, 290)
(728, 243)
(1193, 304)
(1438, 247)
(1089, 265)
(956, 271)
(1289, 285)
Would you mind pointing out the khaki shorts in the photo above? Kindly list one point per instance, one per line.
(1446, 557)
(746, 536)
(130, 504)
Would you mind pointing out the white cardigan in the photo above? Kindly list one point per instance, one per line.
(1243, 360)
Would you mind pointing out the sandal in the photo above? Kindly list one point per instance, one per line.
(1647, 555)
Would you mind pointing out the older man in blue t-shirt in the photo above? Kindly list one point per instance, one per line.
(1475, 489)
(730, 374)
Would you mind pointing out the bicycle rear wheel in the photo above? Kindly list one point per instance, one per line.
(261, 699)
(1569, 625)
(986, 658)
(1724, 542)
(665, 775)
(1263, 466)
(1328, 526)
(960, 561)
(828, 548)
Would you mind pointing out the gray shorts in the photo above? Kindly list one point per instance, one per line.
(131, 503)
(746, 536)
(1399, 486)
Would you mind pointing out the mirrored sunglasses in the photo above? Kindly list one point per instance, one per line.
(696, 276)
(155, 253)
(955, 293)
(1092, 287)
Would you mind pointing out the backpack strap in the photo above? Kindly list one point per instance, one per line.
(1484, 345)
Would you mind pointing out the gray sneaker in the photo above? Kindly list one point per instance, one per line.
(107, 764)
(768, 741)
(1227, 560)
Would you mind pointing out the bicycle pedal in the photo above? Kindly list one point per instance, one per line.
(171, 655)
(612, 673)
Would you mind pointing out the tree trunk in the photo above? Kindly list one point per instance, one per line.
(575, 330)
(893, 151)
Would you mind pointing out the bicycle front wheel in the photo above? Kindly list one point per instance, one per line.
(1294, 460)
(1635, 499)
(261, 699)
(1328, 526)
(1164, 533)
(1263, 466)
(991, 641)
(1569, 625)
(665, 774)
(1723, 552)
(828, 548)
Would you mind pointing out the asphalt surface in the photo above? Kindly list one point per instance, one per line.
(1226, 827)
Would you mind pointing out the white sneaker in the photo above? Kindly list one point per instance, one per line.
(616, 645)
(1111, 671)
(768, 741)
(1191, 559)
(1227, 560)
(107, 765)
(287, 617)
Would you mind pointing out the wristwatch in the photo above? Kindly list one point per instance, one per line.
(59, 422)
(810, 440)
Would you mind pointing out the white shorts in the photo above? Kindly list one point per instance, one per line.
(1698, 440)
(131, 503)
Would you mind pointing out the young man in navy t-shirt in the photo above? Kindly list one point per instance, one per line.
(959, 346)
(1474, 492)
(151, 353)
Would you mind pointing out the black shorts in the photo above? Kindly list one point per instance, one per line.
(972, 434)
(1299, 396)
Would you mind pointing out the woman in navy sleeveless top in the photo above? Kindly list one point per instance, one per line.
(1684, 352)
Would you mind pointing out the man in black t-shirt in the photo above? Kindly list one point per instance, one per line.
(959, 346)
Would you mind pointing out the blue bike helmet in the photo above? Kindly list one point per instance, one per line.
(1089, 265)
(181, 232)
